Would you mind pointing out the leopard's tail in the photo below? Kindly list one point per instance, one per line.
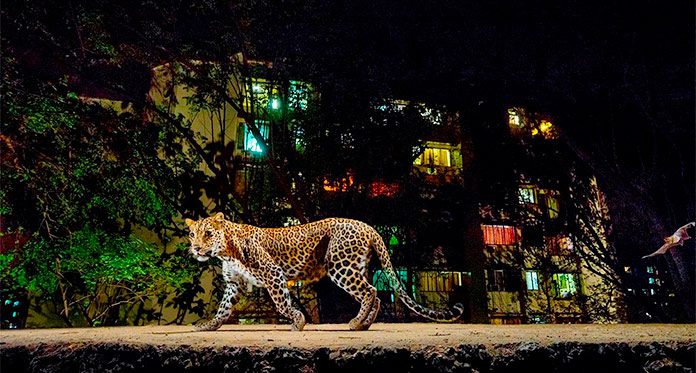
(383, 255)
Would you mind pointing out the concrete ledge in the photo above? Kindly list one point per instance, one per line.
(331, 348)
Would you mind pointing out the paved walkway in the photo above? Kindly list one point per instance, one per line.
(338, 336)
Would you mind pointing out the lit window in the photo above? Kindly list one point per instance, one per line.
(442, 281)
(298, 95)
(552, 206)
(527, 195)
(499, 234)
(532, 278)
(565, 285)
(259, 95)
(249, 140)
(650, 269)
(434, 157)
(550, 199)
(651, 280)
(514, 119)
(627, 269)
(263, 96)
(531, 196)
(383, 282)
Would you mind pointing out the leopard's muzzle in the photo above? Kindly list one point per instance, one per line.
(201, 255)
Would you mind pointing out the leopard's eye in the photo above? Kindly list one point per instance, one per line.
(192, 234)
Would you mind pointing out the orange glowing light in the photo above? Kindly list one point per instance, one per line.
(382, 189)
(341, 185)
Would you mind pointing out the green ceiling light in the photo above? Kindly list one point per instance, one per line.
(275, 103)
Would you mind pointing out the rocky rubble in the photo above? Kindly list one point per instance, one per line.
(560, 357)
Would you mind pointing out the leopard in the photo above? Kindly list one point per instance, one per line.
(339, 248)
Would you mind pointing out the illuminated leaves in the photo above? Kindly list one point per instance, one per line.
(82, 176)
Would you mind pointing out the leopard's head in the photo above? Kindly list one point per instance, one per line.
(207, 236)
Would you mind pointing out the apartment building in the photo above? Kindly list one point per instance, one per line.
(505, 250)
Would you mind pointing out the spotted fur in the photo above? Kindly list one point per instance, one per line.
(269, 257)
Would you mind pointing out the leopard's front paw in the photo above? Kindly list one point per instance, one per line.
(208, 326)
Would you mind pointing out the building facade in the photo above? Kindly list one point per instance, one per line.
(480, 213)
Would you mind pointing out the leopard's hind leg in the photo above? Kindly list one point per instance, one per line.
(346, 268)
(361, 291)
(376, 303)
(374, 310)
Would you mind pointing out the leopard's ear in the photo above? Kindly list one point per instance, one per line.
(189, 222)
(219, 216)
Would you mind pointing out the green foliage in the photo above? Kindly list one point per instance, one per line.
(92, 257)
(91, 189)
